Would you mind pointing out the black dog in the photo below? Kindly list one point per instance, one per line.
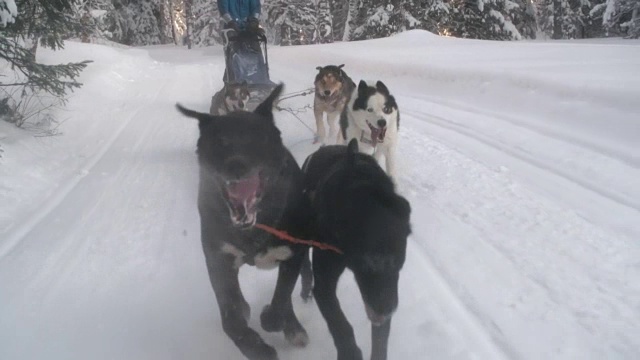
(249, 179)
(357, 211)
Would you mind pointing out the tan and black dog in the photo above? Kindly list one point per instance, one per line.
(232, 97)
(333, 90)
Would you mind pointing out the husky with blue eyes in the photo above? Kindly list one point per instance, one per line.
(372, 117)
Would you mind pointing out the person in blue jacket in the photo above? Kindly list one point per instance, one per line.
(240, 14)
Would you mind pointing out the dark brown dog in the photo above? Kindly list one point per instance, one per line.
(333, 90)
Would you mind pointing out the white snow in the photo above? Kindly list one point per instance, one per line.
(8, 12)
(521, 161)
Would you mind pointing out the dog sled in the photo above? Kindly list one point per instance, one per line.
(246, 60)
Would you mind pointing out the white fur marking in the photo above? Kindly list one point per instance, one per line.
(232, 250)
(272, 257)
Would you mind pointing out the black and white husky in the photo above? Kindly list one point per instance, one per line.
(372, 117)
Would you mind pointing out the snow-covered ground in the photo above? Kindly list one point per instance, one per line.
(521, 161)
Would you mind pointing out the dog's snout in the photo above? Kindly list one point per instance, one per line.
(237, 167)
(327, 92)
(382, 123)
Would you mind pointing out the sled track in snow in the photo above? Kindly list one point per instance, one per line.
(633, 161)
(536, 159)
(467, 131)
(50, 204)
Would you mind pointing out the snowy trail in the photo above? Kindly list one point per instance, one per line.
(551, 163)
(555, 263)
(114, 260)
(524, 216)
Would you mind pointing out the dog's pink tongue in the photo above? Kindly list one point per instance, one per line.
(377, 134)
(242, 191)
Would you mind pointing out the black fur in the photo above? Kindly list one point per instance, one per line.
(229, 148)
(358, 211)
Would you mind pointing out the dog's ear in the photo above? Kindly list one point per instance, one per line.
(319, 68)
(203, 118)
(381, 87)
(352, 150)
(266, 107)
(362, 87)
(402, 206)
(340, 66)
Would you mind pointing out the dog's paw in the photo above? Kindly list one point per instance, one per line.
(351, 354)
(306, 296)
(270, 320)
(298, 338)
(264, 352)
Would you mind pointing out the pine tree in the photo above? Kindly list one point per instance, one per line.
(206, 24)
(384, 18)
(39, 22)
(619, 15)
(564, 19)
(8, 12)
(324, 21)
(140, 22)
(293, 22)
(339, 18)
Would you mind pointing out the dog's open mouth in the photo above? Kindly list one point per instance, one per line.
(377, 133)
(242, 198)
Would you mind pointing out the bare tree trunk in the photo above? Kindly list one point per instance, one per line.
(557, 19)
(187, 10)
(172, 14)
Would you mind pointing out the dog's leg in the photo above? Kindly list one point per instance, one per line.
(332, 120)
(233, 307)
(390, 160)
(279, 315)
(306, 275)
(380, 340)
(327, 270)
(320, 131)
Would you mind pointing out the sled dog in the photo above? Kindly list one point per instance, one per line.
(248, 179)
(232, 97)
(357, 211)
(372, 117)
(333, 87)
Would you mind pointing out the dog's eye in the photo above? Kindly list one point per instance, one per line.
(387, 110)
(370, 109)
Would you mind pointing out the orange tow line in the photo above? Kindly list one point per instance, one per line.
(286, 237)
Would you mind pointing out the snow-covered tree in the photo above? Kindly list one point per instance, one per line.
(139, 22)
(292, 22)
(622, 14)
(384, 18)
(38, 22)
(324, 21)
(8, 12)
(564, 19)
(206, 23)
(340, 18)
